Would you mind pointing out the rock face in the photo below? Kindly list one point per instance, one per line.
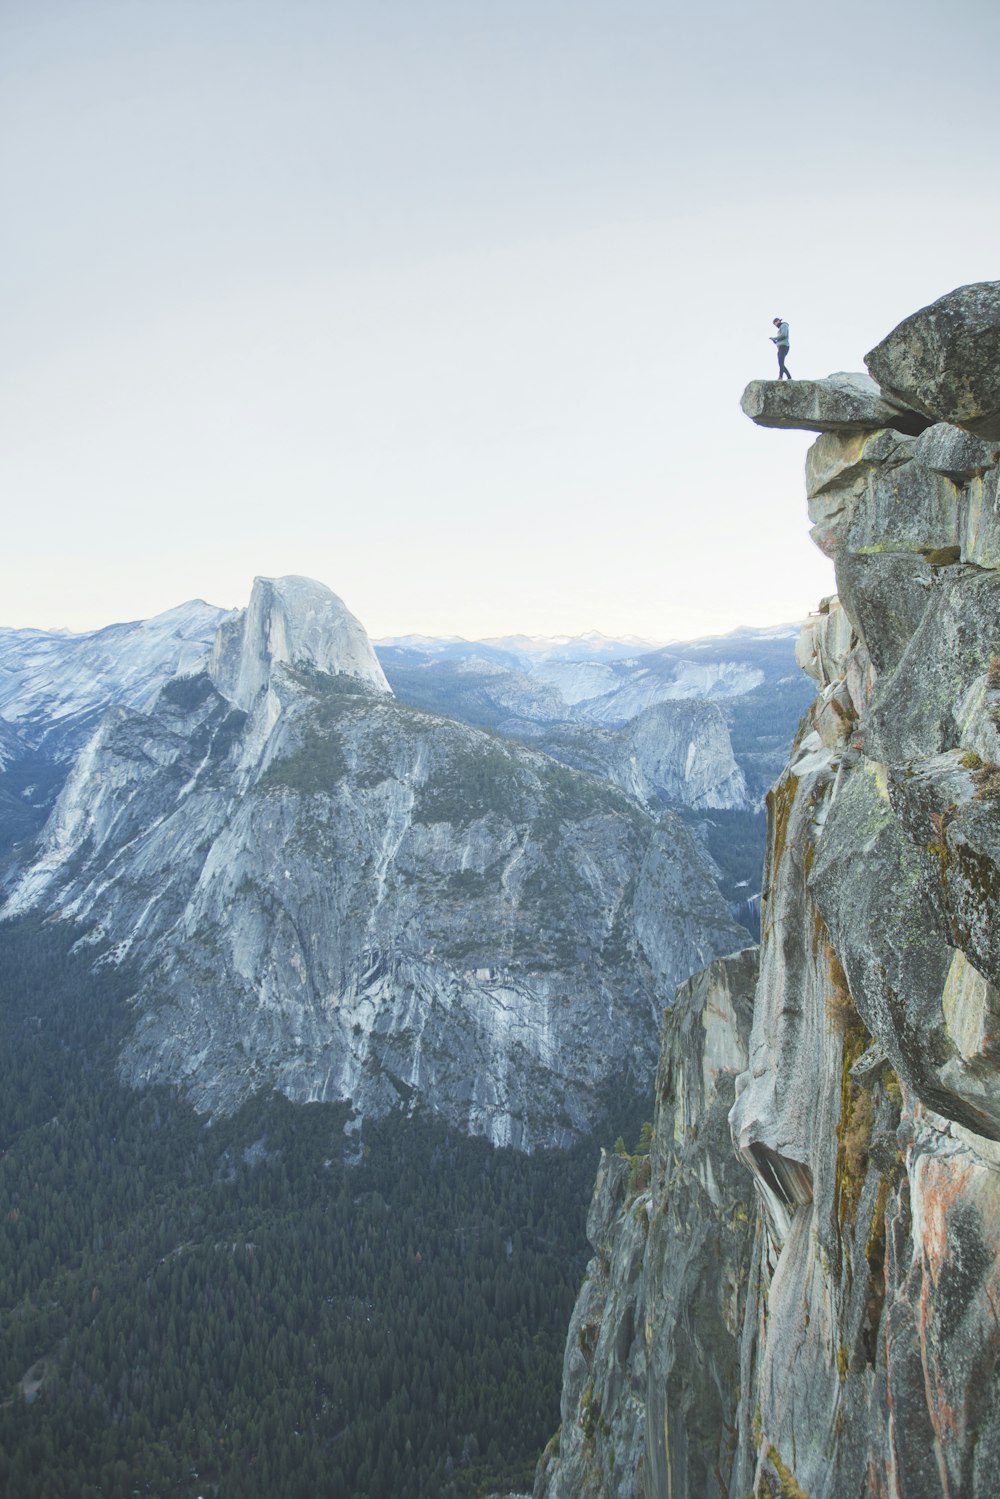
(945, 360)
(652, 1369)
(324, 891)
(677, 754)
(290, 620)
(868, 1114)
(681, 752)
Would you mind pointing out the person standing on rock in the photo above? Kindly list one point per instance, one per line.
(781, 344)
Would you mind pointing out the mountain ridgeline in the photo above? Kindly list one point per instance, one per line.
(813, 1314)
(322, 888)
(328, 892)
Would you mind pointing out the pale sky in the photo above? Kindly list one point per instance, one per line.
(451, 305)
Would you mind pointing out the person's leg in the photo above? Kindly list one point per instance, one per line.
(782, 371)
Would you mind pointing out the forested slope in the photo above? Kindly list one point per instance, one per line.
(280, 1303)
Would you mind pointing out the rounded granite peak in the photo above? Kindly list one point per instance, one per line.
(291, 621)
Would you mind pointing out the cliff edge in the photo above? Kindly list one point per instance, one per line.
(868, 1112)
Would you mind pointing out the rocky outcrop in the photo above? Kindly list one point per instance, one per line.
(842, 403)
(868, 1114)
(651, 1373)
(321, 890)
(945, 360)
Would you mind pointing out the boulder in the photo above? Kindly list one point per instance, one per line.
(896, 953)
(935, 697)
(844, 402)
(945, 360)
(954, 454)
(948, 808)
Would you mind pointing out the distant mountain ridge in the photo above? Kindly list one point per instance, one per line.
(524, 649)
(49, 678)
(590, 678)
(670, 731)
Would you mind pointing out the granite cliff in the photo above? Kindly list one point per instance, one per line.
(850, 1325)
(319, 889)
(652, 1356)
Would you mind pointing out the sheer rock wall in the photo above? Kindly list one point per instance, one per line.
(652, 1356)
(868, 1115)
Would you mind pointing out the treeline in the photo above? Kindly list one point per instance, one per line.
(280, 1303)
